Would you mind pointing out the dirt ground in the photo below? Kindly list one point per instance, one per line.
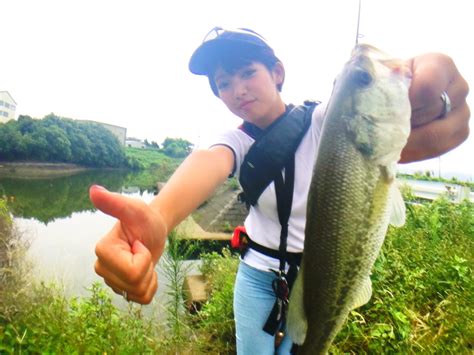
(35, 170)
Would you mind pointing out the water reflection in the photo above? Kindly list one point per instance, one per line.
(48, 199)
(63, 250)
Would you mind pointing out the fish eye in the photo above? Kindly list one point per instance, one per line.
(362, 77)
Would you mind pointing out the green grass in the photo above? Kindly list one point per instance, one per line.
(150, 159)
(154, 167)
(43, 320)
(215, 322)
(423, 287)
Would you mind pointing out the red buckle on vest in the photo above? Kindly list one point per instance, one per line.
(240, 239)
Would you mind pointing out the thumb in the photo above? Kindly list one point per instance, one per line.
(110, 203)
(137, 221)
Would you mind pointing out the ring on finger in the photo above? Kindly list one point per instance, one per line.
(446, 104)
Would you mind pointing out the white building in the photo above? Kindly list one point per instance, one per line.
(7, 107)
(119, 132)
(134, 143)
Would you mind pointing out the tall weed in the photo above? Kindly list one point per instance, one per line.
(215, 321)
(175, 269)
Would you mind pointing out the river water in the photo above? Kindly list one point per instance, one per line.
(62, 227)
(63, 249)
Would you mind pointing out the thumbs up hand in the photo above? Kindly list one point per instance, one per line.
(127, 254)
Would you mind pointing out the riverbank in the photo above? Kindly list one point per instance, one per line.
(38, 170)
(40, 317)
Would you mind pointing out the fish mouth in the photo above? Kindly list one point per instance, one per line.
(367, 50)
(363, 55)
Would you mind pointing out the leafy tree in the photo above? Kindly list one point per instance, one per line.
(25, 124)
(177, 147)
(81, 147)
(39, 145)
(11, 142)
(59, 144)
(60, 139)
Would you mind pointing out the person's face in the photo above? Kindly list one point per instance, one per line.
(251, 93)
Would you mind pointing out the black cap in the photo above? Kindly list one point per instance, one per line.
(218, 41)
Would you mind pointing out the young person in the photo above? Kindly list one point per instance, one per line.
(245, 73)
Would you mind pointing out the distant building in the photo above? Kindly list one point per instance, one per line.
(119, 132)
(7, 107)
(134, 143)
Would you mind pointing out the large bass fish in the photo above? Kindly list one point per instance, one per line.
(352, 196)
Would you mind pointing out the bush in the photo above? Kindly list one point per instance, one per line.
(423, 287)
(46, 321)
(215, 321)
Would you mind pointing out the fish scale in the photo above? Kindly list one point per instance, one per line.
(366, 125)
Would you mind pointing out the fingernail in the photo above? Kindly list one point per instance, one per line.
(98, 187)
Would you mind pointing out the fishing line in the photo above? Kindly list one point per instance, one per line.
(358, 23)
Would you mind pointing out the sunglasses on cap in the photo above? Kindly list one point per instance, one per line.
(220, 40)
(229, 33)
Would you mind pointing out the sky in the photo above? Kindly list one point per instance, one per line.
(126, 62)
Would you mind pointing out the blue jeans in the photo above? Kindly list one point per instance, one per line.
(253, 301)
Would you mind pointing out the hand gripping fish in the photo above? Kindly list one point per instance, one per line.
(352, 197)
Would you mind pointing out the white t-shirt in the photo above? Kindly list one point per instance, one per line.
(262, 222)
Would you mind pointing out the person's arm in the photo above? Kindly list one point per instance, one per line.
(192, 183)
(432, 133)
(127, 254)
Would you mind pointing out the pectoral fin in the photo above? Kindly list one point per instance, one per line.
(364, 294)
(398, 213)
(297, 323)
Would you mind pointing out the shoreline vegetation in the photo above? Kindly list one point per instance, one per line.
(88, 144)
(144, 159)
(422, 302)
(149, 159)
(32, 170)
(152, 160)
